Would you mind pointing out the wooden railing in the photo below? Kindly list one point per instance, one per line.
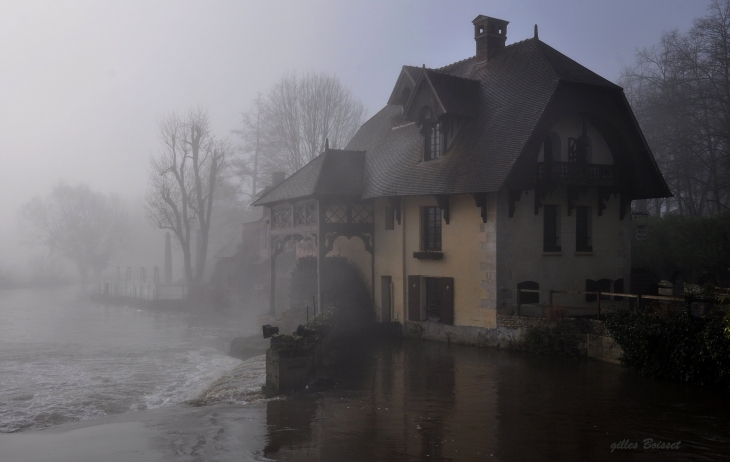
(574, 173)
(598, 295)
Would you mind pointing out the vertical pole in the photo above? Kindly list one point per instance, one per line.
(598, 306)
(320, 249)
(272, 278)
(168, 259)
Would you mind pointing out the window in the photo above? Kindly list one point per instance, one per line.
(433, 142)
(551, 229)
(431, 229)
(389, 218)
(281, 217)
(526, 298)
(311, 212)
(583, 229)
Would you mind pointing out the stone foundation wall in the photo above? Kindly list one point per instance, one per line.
(509, 333)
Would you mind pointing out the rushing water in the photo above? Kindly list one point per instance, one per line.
(63, 358)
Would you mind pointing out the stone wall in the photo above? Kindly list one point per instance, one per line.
(509, 333)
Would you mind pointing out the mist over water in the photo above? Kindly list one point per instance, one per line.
(63, 358)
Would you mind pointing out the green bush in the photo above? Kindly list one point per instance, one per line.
(692, 245)
(563, 337)
(677, 347)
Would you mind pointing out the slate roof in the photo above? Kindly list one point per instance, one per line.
(506, 96)
(334, 172)
(457, 95)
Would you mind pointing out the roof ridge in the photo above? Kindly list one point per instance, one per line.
(437, 71)
(442, 68)
(542, 51)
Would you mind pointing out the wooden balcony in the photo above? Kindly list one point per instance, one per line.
(572, 173)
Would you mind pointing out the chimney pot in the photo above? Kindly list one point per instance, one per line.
(490, 35)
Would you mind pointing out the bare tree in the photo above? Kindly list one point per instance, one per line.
(76, 223)
(680, 90)
(183, 181)
(288, 127)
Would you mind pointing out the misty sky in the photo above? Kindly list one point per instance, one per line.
(83, 83)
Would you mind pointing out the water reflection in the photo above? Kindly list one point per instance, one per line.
(431, 401)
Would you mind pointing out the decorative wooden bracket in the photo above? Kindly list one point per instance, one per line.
(443, 202)
(514, 196)
(573, 193)
(603, 195)
(540, 194)
(481, 200)
(395, 204)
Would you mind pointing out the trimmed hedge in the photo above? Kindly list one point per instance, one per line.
(677, 347)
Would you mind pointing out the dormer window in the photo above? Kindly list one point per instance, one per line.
(433, 141)
(432, 131)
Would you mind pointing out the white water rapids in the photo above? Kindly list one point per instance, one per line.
(63, 358)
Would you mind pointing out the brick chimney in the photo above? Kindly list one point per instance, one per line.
(490, 35)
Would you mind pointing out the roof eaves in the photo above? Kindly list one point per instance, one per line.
(261, 201)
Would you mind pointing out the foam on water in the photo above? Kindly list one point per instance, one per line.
(62, 362)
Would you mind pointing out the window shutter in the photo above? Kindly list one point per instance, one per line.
(414, 298)
(446, 300)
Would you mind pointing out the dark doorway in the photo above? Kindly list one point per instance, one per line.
(440, 299)
(385, 290)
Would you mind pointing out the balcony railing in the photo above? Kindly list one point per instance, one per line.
(575, 173)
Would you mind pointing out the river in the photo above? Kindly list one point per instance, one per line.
(64, 358)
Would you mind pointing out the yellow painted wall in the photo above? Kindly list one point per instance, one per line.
(469, 248)
(388, 262)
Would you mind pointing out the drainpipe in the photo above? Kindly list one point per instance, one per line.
(403, 215)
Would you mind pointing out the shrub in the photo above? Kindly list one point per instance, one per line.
(691, 245)
(555, 312)
(673, 346)
(563, 337)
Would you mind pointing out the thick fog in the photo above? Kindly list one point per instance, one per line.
(83, 83)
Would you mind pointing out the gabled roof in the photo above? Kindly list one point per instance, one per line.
(407, 78)
(455, 95)
(334, 172)
(516, 87)
(508, 99)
